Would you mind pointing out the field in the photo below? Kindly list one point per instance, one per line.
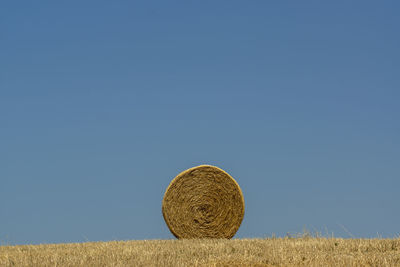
(286, 251)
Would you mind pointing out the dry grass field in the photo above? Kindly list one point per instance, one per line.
(287, 251)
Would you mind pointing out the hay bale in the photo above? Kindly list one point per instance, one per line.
(203, 202)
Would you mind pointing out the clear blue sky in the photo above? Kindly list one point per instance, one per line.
(102, 103)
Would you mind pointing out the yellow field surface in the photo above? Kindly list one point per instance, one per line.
(202, 252)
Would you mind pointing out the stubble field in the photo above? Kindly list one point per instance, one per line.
(201, 252)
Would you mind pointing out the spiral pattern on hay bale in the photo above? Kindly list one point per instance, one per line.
(203, 202)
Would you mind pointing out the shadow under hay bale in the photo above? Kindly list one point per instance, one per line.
(203, 202)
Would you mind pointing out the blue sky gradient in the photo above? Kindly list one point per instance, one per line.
(102, 103)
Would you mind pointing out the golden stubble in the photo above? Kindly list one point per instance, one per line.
(209, 252)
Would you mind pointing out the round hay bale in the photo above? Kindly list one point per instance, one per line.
(203, 202)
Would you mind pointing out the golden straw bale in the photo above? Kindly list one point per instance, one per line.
(203, 202)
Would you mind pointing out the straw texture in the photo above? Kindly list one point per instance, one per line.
(203, 202)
